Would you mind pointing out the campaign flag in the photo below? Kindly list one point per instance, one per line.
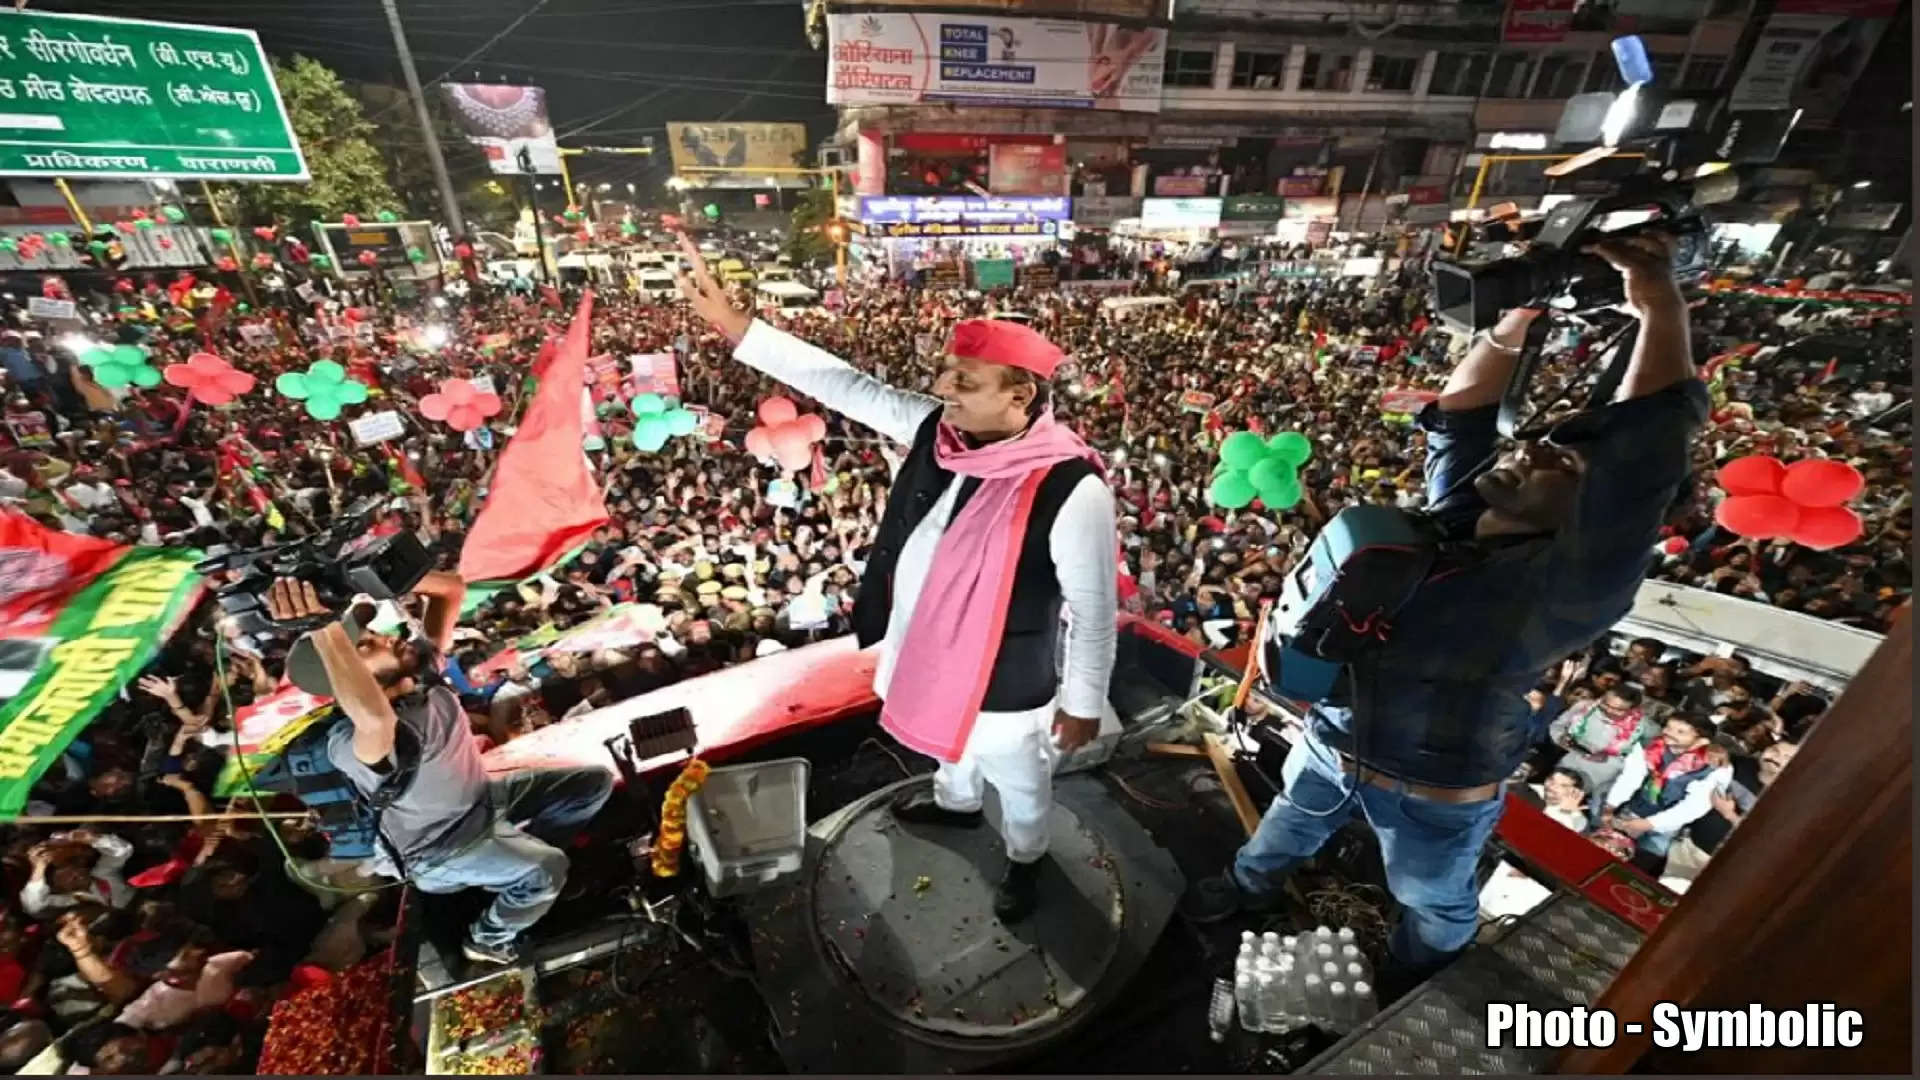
(79, 617)
(544, 502)
(655, 373)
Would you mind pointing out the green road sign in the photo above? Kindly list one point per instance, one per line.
(84, 96)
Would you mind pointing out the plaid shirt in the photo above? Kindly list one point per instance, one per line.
(1451, 684)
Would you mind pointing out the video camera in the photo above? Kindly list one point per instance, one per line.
(1691, 150)
(340, 563)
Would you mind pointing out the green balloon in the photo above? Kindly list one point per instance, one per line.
(174, 214)
(681, 421)
(143, 224)
(414, 254)
(321, 262)
(712, 210)
(57, 239)
(220, 236)
(142, 375)
(1269, 471)
(1231, 490)
(1282, 494)
(651, 433)
(1292, 447)
(291, 384)
(387, 215)
(9, 244)
(1242, 450)
(649, 405)
(98, 247)
(326, 371)
(593, 442)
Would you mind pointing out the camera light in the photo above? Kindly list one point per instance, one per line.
(435, 336)
(76, 343)
(1620, 115)
(1119, 455)
(1160, 461)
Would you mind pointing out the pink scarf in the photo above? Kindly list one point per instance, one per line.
(941, 674)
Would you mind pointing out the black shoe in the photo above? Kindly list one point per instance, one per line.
(501, 955)
(922, 810)
(1019, 891)
(1219, 897)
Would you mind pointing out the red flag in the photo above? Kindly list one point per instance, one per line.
(408, 474)
(545, 360)
(817, 478)
(549, 296)
(544, 501)
(1826, 373)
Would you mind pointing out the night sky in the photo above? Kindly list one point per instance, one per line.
(626, 67)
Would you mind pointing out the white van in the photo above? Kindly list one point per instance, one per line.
(786, 296)
(656, 284)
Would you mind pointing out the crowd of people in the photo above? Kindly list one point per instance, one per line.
(159, 946)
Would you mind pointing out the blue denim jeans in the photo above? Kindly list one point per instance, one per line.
(516, 860)
(1431, 849)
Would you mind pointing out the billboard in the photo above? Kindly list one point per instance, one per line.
(1537, 22)
(1027, 169)
(902, 58)
(962, 215)
(1809, 55)
(1179, 213)
(1101, 211)
(747, 150)
(1112, 9)
(508, 123)
(86, 96)
(1250, 215)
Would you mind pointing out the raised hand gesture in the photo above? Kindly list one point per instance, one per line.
(708, 297)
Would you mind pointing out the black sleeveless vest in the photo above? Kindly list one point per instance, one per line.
(1024, 675)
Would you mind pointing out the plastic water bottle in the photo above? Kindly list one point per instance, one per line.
(1267, 992)
(1339, 1007)
(1248, 937)
(1293, 1002)
(1356, 974)
(1269, 940)
(1346, 935)
(1246, 1001)
(1243, 963)
(1329, 971)
(1314, 999)
(1363, 1004)
(1220, 1011)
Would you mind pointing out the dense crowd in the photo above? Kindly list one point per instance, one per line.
(159, 945)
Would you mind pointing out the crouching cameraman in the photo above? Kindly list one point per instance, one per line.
(1555, 538)
(405, 745)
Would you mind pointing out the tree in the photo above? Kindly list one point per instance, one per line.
(349, 175)
(807, 239)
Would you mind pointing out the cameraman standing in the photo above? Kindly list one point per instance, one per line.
(440, 821)
(1559, 534)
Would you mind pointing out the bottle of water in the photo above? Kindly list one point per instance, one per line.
(1243, 963)
(1293, 1001)
(1248, 937)
(1220, 1011)
(1267, 993)
(1329, 971)
(1313, 993)
(1363, 1004)
(1351, 954)
(1355, 974)
(1246, 1001)
(1322, 954)
(1339, 1008)
(1346, 935)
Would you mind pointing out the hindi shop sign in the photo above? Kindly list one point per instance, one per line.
(82, 95)
(962, 215)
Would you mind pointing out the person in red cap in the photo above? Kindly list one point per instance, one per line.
(997, 516)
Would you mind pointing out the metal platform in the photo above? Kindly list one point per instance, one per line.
(885, 956)
(1562, 953)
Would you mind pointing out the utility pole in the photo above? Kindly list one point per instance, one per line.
(448, 204)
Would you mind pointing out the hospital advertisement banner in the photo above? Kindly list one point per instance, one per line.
(904, 58)
(1809, 55)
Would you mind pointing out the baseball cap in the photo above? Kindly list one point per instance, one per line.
(304, 668)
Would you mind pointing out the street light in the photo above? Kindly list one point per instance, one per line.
(604, 186)
(1859, 185)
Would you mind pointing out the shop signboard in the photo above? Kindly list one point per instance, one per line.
(962, 215)
(1314, 208)
(1809, 55)
(1250, 215)
(1294, 187)
(89, 96)
(1015, 168)
(1039, 276)
(981, 58)
(1179, 213)
(945, 275)
(1101, 211)
(1179, 186)
(1537, 22)
(993, 273)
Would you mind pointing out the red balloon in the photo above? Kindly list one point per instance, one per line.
(1757, 474)
(814, 426)
(759, 443)
(791, 447)
(776, 411)
(1675, 545)
(1757, 517)
(1824, 527)
(349, 220)
(352, 315)
(368, 258)
(1821, 482)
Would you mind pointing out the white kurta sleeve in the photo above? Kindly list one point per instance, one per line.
(819, 374)
(1084, 560)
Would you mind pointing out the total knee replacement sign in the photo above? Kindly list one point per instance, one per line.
(1674, 1027)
